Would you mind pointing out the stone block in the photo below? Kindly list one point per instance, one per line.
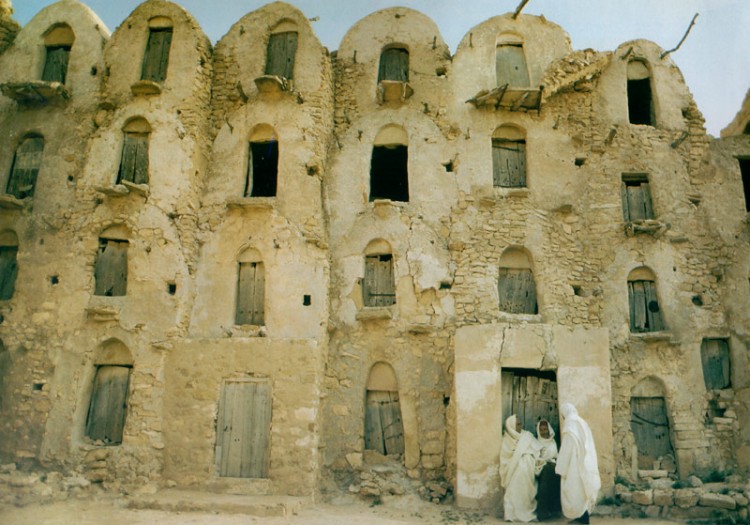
(652, 474)
(661, 484)
(355, 460)
(663, 498)
(741, 500)
(719, 501)
(652, 511)
(686, 498)
(694, 481)
(643, 497)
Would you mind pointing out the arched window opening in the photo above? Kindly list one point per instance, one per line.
(640, 97)
(650, 426)
(105, 420)
(263, 163)
(251, 285)
(25, 167)
(384, 429)
(58, 42)
(156, 57)
(394, 64)
(389, 174)
(379, 288)
(645, 314)
(510, 62)
(516, 288)
(8, 264)
(134, 160)
(281, 51)
(111, 269)
(509, 157)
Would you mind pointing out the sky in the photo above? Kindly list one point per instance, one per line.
(714, 59)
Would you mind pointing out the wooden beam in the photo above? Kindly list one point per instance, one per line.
(519, 8)
(692, 23)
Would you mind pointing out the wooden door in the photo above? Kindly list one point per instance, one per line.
(250, 294)
(25, 168)
(8, 271)
(134, 163)
(106, 416)
(394, 65)
(111, 272)
(156, 58)
(56, 64)
(516, 291)
(650, 428)
(510, 66)
(509, 163)
(243, 441)
(282, 48)
(379, 288)
(384, 430)
(716, 366)
(531, 398)
(645, 314)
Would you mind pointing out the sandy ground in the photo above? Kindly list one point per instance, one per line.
(402, 511)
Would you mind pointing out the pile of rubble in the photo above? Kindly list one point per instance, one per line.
(24, 488)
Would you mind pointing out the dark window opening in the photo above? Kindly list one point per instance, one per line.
(714, 410)
(510, 66)
(250, 294)
(56, 64)
(577, 290)
(448, 166)
(306, 300)
(379, 285)
(640, 102)
(745, 173)
(394, 65)
(389, 175)
(262, 169)
(108, 406)
(645, 314)
(54, 280)
(531, 395)
(111, 271)
(580, 161)
(25, 168)
(636, 198)
(134, 161)
(171, 288)
(37, 387)
(156, 58)
(517, 291)
(509, 163)
(282, 48)
(716, 364)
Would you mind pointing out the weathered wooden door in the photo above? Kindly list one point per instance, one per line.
(715, 360)
(516, 291)
(379, 288)
(645, 314)
(134, 163)
(243, 442)
(56, 64)
(509, 163)
(510, 66)
(394, 65)
(531, 397)
(251, 286)
(106, 417)
(636, 199)
(384, 430)
(282, 48)
(156, 58)
(111, 272)
(25, 168)
(8, 271)
(650, 428)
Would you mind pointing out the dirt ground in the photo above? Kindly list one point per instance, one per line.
(399, 511)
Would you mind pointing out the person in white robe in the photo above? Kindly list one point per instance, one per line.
(577, 466)
(517, 472)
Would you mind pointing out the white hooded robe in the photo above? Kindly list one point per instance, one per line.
(517, 473)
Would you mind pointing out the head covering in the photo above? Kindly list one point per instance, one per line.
(510, 428)
(548, 444)
(539, 434)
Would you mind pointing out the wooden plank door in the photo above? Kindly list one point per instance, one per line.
(510, 66)
(516, 291)
(394, 65)
(384, 429)
(280, 54)
(650, 428)
(156, 58)
(509, 163)
(716, 366)
(108, 406)
(134, 163)
(56, 64)
(243, 443)
(251, 286)
(8, 271)
(111, 272)
(379, 285)
(25, 168)
(530, 398)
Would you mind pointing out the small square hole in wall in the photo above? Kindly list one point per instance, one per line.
(445, 285)
(577, 290)
(70, 178)
(306, 300)
(580, 161)
(37, 387)
(448, 166)
(53, 280)
(171, 288)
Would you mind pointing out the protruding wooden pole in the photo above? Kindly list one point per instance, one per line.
(520, 8)
(692, 23)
